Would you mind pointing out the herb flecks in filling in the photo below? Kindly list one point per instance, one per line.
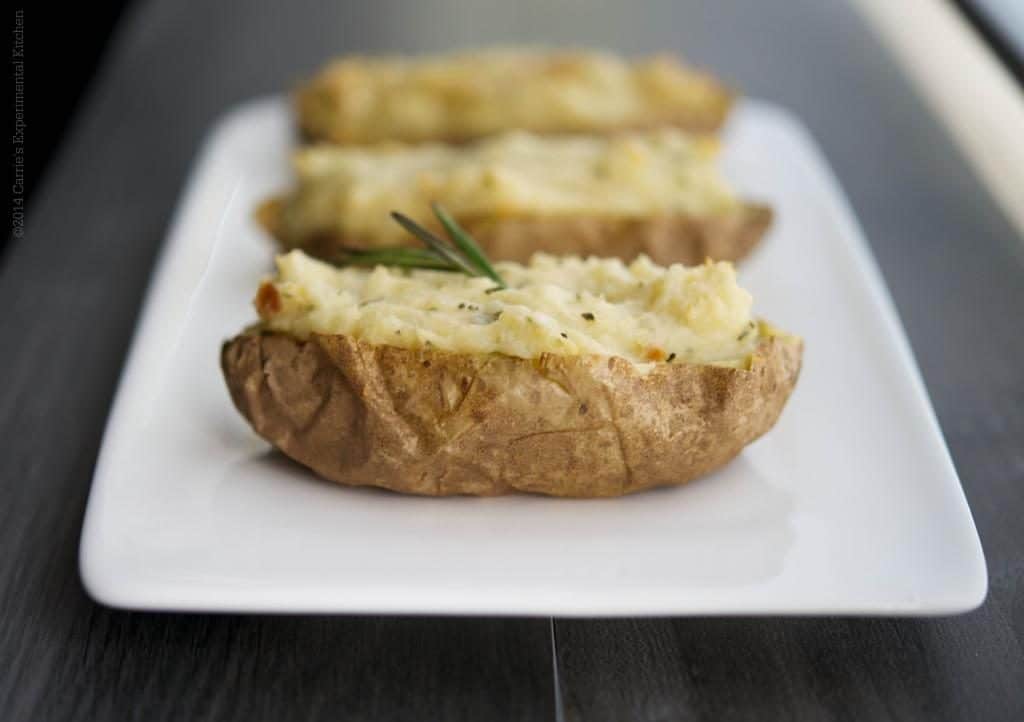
(562, 306)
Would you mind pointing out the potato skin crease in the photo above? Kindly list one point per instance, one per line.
(665, 239)
(438, 423)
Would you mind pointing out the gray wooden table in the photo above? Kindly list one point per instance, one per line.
(69, 294)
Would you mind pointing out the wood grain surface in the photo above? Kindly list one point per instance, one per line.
(70, 292)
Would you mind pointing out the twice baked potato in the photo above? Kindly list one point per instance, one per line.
(582, 378)
(462, 96)
(658, 193)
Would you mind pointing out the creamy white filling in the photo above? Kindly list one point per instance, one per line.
(641, 312)
(350, 191)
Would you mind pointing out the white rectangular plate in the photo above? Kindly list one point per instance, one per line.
(849, 506)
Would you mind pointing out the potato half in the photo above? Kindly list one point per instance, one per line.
(462, 96)
(658, 193)
(425, 420)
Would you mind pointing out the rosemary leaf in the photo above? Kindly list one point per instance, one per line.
(462, 254)
(467, 245)
(435, 244)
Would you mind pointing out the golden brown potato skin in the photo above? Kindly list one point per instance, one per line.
(665, 239)
(439, 423)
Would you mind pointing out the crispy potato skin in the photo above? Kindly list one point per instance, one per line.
(437, 423)
(665, 239)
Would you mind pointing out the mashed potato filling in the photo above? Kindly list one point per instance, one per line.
(641, 311)
(349, 191)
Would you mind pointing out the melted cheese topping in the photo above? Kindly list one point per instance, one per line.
(351, 191)
(468, 95)
(641, 312)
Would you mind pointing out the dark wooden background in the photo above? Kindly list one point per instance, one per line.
(69, 295)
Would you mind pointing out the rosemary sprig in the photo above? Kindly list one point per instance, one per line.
(466, 243)
(460, 254)
(435, 244)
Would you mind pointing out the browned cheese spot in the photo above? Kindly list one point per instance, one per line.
(268, 300)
